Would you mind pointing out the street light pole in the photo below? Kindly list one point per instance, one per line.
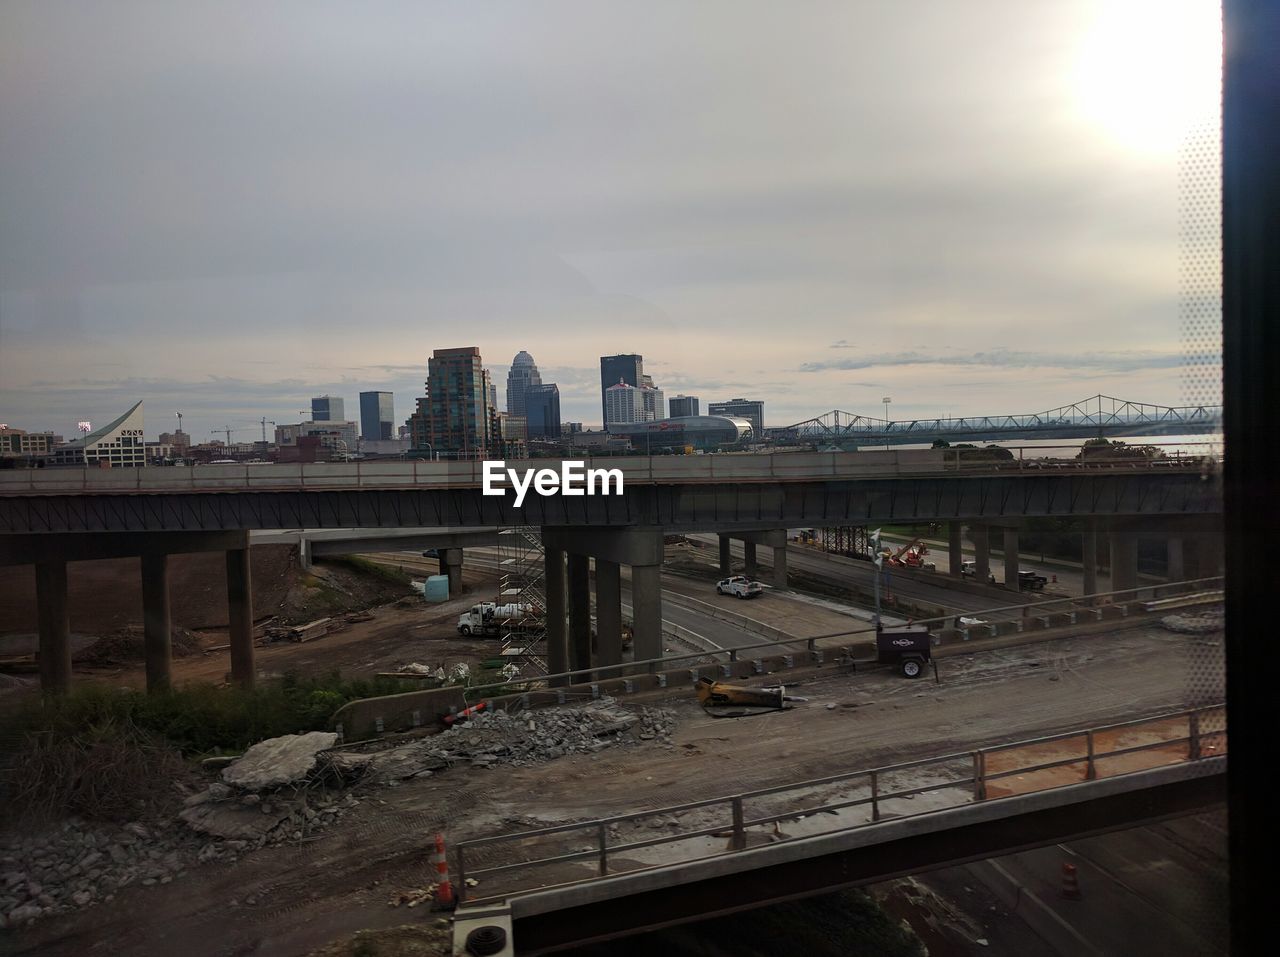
(886, 400)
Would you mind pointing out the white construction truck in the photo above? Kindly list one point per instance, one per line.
(491, 619)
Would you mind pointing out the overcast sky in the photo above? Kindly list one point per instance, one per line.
(224, 209)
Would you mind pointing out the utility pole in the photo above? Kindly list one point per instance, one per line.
(878, 558)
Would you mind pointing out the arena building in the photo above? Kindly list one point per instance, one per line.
(119, 445)
(699, 432)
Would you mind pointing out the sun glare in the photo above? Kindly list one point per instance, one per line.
(1149, 71)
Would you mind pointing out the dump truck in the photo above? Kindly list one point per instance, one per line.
(491, 619)
(909, 647)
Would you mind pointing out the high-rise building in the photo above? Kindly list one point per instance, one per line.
(750, 409)
(682, 405)
(542, 410)
(522, 377)
(624, 403)
(377, 416)
(654, 407)
(491, 390)
(614, 369)
(328, 408)
(458, 420)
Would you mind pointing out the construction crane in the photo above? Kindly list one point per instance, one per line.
(226, 430)
(265, 423)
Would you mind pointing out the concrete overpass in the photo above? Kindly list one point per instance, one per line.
(993, 801)
(52, 516)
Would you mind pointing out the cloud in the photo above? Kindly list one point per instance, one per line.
(1091, 362)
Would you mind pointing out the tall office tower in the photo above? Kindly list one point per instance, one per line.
(491, 390)
(523, 376)
(750, 409)
(542, 410)
(377, 416)
(624, 403)
(682, 405)
(654, 407)
(458, 423)
(328, 408)
(614, 369)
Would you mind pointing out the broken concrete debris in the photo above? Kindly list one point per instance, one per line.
(274, 794)
(1201, 622)
(278, 761)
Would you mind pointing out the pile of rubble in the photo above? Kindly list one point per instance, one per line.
(1197, 623)
(498, 738)
(270, 795)
(78, 863)
(283, 790)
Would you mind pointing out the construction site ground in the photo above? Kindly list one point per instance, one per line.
(292, 900)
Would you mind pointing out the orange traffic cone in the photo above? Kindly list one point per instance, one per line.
(1070, 883)
(444, 889)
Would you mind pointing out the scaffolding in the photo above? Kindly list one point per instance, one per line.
(521, 583)
(848, 540)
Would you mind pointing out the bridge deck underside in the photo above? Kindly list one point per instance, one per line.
(679, 507)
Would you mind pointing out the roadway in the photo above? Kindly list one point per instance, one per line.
(845, 571)
(681, 601)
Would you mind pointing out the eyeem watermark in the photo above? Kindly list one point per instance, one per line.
(574, 478)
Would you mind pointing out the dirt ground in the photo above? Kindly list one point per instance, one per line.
(307, 895)
(105, 600)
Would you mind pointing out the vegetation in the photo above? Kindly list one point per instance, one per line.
(196, 719)
(1115, 449)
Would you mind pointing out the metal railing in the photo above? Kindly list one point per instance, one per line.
(1202, 739)
(1074, 606)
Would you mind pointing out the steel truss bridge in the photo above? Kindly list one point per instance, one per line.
(1099, 416)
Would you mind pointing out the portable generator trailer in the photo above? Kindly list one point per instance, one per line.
(907, 647)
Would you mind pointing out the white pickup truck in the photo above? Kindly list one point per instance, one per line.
(739, 585)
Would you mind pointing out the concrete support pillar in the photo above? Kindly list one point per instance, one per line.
(579, 614)
(955, 553)
(304, 553)
(1090, 556)
(557, 631)
(1213, 555)
(646, 601)
(54, 627)
(240, 616)
(156, 627)
(981, 535)
(451, 565)
(1010, 558)
(608, 614)
(780, 565)
(749, 556)
(726, 558)
(1124, 561)
(1176, 568)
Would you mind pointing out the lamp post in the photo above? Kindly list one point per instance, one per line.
(886, 400)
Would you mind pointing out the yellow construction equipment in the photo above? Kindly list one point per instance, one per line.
(716, 695)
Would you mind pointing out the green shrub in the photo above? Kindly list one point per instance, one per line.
(199, 718)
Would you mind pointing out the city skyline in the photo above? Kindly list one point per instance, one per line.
(846, 229)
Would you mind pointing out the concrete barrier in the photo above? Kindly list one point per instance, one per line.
(397, 712)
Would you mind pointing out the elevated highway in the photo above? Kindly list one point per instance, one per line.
(49, 517)
(680, 493)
